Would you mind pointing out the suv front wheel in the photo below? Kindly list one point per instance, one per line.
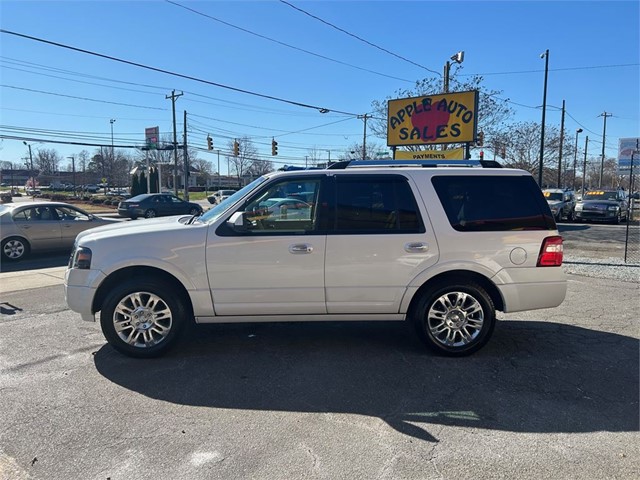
(455, 319)
(142, 318)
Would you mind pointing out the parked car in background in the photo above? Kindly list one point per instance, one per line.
(217, 197)
(118, 191)
(441, 248)
(91, 188)
(282, 208)
(561, 202)
(149, 205)
(603, 206)
(42, 226)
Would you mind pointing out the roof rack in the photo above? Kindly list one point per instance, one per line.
(414, 163)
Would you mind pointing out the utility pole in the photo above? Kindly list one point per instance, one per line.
(560, 153)
(364, 138)
(575, 159)
(173, 98)
(544, 111)
(185, 154)
(604, 133)
(219, 187)
(584, 164)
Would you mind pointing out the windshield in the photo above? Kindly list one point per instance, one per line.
(600, 195)
(553, 196)
(212, 214)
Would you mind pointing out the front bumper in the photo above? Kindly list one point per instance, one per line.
(79, 290)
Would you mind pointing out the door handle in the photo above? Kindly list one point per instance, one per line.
(300, 248)
(416, 247)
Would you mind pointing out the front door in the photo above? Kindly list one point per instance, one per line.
(276, 265)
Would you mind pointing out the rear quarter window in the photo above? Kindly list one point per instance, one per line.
(493, 203)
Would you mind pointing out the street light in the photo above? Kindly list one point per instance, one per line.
(544, 55)
(458, 58)
(575, 159)
(33, 183)
(112, 151)
(73, 168)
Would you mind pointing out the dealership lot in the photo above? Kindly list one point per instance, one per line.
(555, 395)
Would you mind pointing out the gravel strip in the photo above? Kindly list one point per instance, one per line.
(610, 267)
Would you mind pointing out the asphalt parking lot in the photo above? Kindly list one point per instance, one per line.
(554, 395)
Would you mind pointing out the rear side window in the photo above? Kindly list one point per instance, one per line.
(488, 204)
(375, 204)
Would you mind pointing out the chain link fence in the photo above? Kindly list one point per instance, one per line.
(632, 234)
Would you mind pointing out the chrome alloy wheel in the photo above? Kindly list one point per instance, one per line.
(455, 319)
(13, 249)
(142, 319)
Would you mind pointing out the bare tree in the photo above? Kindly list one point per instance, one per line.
(247, 153)
(354, 151)
(47, 161)
(260, 167)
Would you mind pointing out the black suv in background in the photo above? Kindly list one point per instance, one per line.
(603, 205)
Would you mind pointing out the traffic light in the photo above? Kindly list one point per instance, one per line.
(274, 147)
(209, 143)
(480, 141)
(481, 155)
(236, 148)
(504, 151)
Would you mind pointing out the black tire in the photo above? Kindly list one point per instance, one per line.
(151, 213)
(194, 211)
(15, 249)
(157, 316)
(441, 326)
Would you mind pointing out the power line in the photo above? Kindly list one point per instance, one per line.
(288, 45)
(80, 98)
(175, 74)
(359, 38)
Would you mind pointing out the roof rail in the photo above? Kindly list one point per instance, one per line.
(414, 163)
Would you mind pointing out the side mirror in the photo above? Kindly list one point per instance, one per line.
(238, 222)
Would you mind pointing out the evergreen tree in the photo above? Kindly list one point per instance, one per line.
(135, 185)
(154, 181)
(143, 183)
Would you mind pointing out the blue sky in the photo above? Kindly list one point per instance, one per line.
(594, 67)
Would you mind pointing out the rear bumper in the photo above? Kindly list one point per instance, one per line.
(531, 288)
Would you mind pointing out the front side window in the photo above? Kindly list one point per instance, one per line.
(287, 206)
(493, 203)
(375, 204)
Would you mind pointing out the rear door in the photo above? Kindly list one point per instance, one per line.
(377, 243)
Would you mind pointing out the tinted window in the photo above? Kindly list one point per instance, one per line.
(375, 204)
(278, 208)
(485, 203)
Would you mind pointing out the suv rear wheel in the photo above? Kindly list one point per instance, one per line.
(455, 319)
(142, 318)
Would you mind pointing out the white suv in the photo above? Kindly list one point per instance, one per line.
(442, 248)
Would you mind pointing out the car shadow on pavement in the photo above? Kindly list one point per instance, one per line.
(534, 377)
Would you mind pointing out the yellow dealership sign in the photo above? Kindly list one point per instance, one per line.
(453, 154)
(433, 120)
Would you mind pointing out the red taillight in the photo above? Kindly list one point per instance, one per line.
(551, 252)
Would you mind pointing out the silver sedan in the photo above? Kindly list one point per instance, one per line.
(42, 226)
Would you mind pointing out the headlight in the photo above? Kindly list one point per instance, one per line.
(613, 208)
(579, 207)
(81, 258)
